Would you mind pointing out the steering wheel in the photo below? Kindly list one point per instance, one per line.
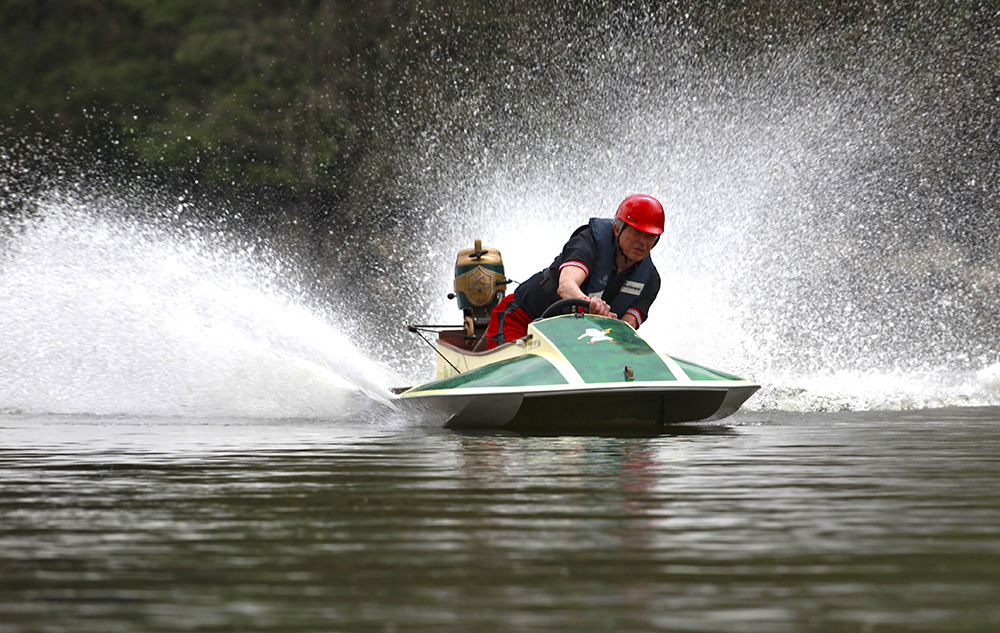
(561, 305)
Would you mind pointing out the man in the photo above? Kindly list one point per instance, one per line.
(605, 262)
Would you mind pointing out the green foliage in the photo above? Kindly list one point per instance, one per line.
(295, 95)
(246, 92)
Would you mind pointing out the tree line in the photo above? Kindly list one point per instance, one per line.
(299, 97)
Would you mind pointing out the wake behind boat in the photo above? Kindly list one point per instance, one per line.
(572, 373)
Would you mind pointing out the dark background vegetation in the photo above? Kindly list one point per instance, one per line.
(298, 99)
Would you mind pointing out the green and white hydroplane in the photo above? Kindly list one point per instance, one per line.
(572, 373)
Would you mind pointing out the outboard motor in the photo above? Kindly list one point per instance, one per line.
(480, 284)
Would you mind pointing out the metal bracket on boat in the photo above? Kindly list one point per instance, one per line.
(416, 329)
(629, 373)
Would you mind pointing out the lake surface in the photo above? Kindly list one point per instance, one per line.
(769, 522)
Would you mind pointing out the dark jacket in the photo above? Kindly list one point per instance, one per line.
(592, 248)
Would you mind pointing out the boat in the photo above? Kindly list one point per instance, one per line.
(572, 373)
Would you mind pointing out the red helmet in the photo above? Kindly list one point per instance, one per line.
(642, 212)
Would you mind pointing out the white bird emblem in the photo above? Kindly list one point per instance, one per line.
(596, 335)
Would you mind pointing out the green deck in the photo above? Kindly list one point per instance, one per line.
(602, 358)
(697, 372)
(596, 348)
(514, 372)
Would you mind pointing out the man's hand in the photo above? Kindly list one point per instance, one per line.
(600, 307)
(570, 279)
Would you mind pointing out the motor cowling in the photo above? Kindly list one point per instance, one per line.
(480, 284)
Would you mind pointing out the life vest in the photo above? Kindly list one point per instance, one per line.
(635, 281)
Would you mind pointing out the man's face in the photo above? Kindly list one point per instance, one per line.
(635, 243)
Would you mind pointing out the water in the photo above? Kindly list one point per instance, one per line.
(106, 314)
(190, 440)
(771, 522)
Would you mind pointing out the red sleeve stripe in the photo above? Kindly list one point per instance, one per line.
(636, 314)
(576, 263)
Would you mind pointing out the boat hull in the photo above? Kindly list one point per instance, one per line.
(598, 410)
